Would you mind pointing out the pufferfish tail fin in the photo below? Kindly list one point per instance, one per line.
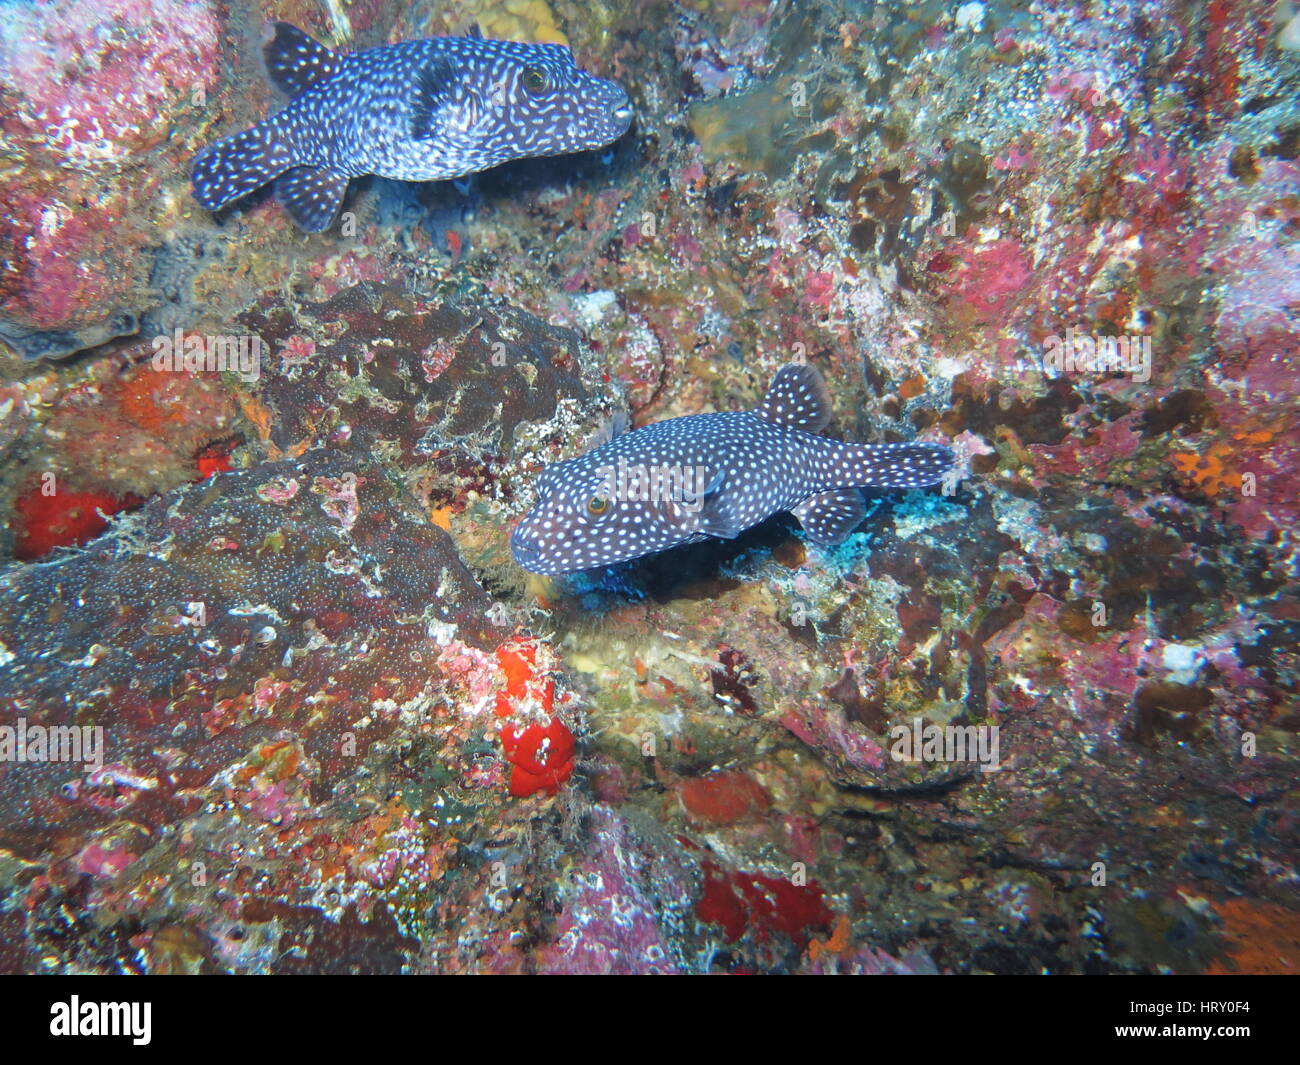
(917, 465)
(234, 167)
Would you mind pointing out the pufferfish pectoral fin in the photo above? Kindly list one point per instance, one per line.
(797, 399)
(295, 62)
(312, 195)
(702, 514)
(432, 95)
(828, 518)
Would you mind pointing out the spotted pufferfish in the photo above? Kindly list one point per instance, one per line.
(424, 110)
(703, 476)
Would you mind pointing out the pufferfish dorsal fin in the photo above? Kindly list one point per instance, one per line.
(611, 429)
(828, 518)
(294, 61)
(797, 399)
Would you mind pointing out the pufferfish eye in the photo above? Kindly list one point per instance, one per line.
(535, 81)
(597, 505)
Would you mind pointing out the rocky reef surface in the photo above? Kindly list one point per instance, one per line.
(339, 730)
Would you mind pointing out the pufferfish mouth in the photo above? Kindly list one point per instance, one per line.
(527, 549)
(610, 127)
(618, 114)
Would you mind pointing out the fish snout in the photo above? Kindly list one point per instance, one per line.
(623, 112)
(622, 119)
(526, 546)
(612, 109)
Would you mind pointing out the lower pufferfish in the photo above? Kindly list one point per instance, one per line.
(706, 476)
(426, 110)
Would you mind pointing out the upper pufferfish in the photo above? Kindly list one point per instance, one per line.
(425, 110)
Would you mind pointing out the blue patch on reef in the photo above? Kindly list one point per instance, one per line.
(600, 590)
(925, 510)
(850, 556)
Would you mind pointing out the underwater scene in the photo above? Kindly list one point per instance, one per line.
(649, 486)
